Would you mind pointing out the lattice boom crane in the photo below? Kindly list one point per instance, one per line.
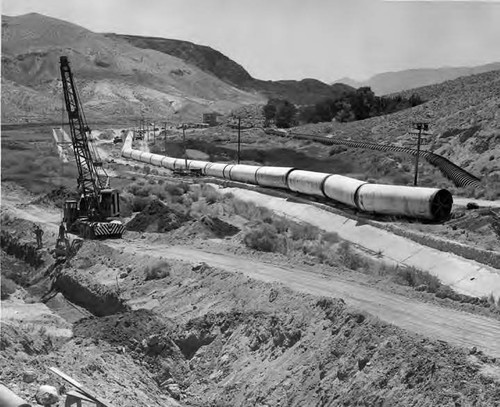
(96, 213)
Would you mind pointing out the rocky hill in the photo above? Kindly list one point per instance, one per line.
(205, 58)
(115, 79)
(464, 116)
(391, 82)
(306, 91)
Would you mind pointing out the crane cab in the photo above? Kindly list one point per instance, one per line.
(71, 212)
(110, 203)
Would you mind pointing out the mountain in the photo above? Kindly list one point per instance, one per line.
(306, 91)
(115, 79)
(393, 82)
(349, 82)
(205, 58)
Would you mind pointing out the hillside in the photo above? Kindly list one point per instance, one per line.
(391, 82)
(464, 115)
(306, 91)
(115, 79)
(203, 57)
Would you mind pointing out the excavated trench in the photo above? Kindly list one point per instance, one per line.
(24, 251)
(243, 342)
(218, 338)
(94, 298)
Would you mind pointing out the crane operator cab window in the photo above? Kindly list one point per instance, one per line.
(70, 212)
(110, 203)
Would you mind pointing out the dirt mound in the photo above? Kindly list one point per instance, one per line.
(126, 329)
(142, 334)
(211, 227)
(157, 217)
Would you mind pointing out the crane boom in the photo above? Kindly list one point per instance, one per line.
(89, 183)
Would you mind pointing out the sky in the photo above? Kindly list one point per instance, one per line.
(296, 39)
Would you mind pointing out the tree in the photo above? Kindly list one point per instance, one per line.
(363, 103)
(269, 110)
(285, 114)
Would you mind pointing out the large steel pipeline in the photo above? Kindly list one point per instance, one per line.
(424, 203)
(453, 172)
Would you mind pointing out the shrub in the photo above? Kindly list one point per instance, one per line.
(249, 210)
(157, 271)
(415, 277)
(349, 258)
(7, 288)
(468, 133)
(330, 237)
(303, 231)
(281, 225)
(210, 193)
(199, 208)
(320, 250)
(264, 238)
(139, 203)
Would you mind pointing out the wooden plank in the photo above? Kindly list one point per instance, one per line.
(77, 394)
(80, 387)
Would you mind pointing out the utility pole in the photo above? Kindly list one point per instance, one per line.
(184, 138)
(239, 138)
(165, 138)
(420, 126)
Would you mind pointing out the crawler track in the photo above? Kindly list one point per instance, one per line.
(453, 172)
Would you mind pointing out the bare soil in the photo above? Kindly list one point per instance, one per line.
(205, 336)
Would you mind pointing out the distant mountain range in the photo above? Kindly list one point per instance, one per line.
(393, 82)
(124, 77)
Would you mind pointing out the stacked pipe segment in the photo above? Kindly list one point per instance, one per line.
(417, 202)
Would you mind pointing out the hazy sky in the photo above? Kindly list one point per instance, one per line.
(295, 39)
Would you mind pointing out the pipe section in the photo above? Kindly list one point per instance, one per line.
(275, 177)
(424, 203)
(10, 399)
(342, 189)
(307, 182)
(244, 173)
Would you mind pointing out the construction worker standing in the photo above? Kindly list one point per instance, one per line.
(62, 232)
(38, 232)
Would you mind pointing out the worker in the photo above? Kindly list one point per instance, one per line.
(62, 232)
(38, 232)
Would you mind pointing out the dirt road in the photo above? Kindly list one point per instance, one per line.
(458, 328)
(463, 275)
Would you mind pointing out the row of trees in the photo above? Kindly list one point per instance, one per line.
(283, 112)
(358, 105)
